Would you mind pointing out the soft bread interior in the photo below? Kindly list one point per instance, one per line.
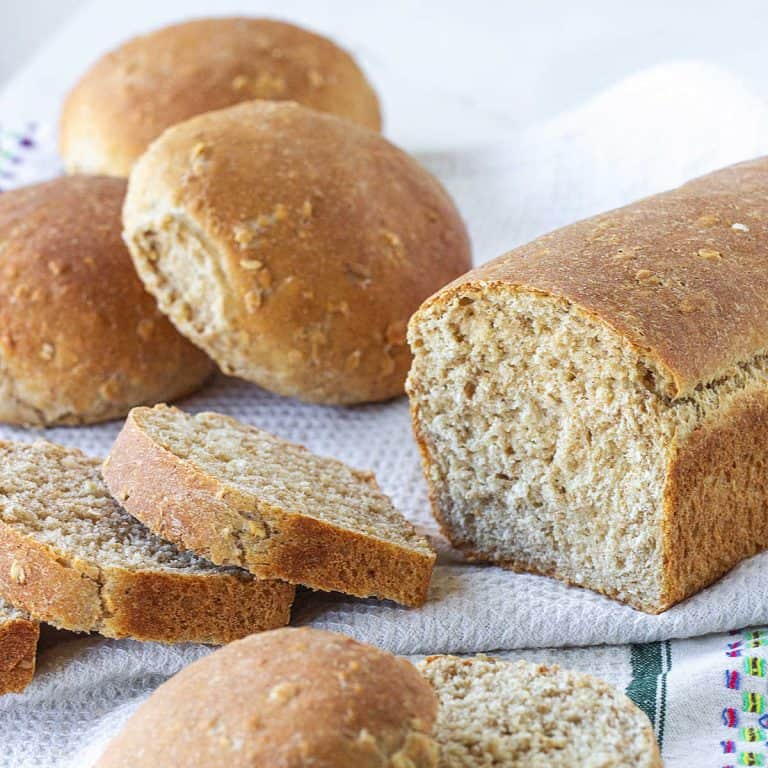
(497, 713)
(542, 429)
(280, 474)
(56, 496)
(181, 270)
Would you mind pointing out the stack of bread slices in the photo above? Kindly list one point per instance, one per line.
(196, 528)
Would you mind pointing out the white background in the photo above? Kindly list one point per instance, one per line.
(543, 56)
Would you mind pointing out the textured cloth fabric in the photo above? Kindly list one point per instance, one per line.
(642, 135)
(705, 696)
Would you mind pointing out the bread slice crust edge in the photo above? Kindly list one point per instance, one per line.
(18, 651)
(167, 494)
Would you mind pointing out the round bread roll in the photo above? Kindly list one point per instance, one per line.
(288, 698)
(131, 95)
(80, 339)
(292, 246)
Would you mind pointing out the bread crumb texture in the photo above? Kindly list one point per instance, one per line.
(592, 406)
(290, 698)
(18, 648)
(497, 714)
(242, 496)
(71, 556)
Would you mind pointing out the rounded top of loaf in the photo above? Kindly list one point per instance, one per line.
(132, 94)
(520, 714)
(315, 240)
(80, 338)
(290, 697)
(681, 276)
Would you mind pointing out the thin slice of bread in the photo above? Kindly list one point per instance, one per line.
(519, 715)
(70, 556)
(240, 496)
(18, 649)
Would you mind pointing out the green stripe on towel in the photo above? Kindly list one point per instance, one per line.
(648, 688)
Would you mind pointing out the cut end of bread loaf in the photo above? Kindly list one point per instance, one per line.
(539, 447)
(551, 446)
(240, 496)
(517, 715)
(70, 556)
(18, 649)
(593, 405)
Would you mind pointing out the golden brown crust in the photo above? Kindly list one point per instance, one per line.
(131, 95)
(175, 608)
(18, 651)
(197, 512)
(117, 602)
(37, 579)
(681, 275)
(317, 270)
(715, 497)
(80, 339)
(290, 698)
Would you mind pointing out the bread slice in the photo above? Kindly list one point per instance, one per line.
(18, 649)
(70, 556)
(593, 405)
(240, 496)
(519, 715)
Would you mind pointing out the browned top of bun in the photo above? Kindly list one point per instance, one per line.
(290, 697)
(131, 95)
(80, 338)
(318, 238)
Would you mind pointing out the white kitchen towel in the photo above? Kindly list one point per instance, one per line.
(647, 133)
(705, 697)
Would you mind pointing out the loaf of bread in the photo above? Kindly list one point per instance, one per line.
(70, 556)
(523, 715)
(131, 95)
(292, 246)
(80, 339)
(239, 496)
(593, 405)
(290, 698)
(18, 649)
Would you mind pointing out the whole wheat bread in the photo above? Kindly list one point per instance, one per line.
(70, 556)
(240, 496)
(593, 405)
(520, 715)
(18, 648)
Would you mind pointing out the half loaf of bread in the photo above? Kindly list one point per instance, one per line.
(523, 715)
(594, 405)
(70, 556)
(239, 496)
(18, 649)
